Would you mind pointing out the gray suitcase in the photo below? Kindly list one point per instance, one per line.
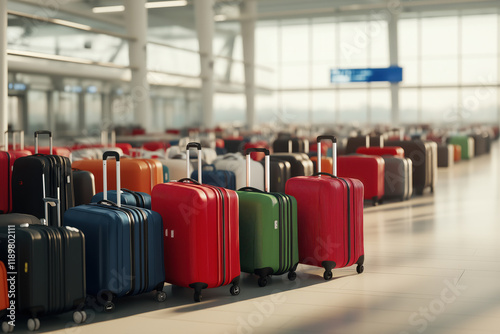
(445, 155)
(398, 178)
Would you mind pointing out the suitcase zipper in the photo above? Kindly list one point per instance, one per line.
(348, 221)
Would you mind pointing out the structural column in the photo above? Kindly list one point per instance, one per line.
(204, 17)
(249, 14)
(394, 59)
(136, 18)
(4, 81)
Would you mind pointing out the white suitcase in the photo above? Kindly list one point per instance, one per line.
(236, 163)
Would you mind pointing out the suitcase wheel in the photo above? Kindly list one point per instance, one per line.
(197, 296)
(79, 317)
(235, 290)
(109, 306)
(33, 324)
(292, 275)
(6, 328)
(328, 275)
(161, 296)
(360, 268)
(262, 281)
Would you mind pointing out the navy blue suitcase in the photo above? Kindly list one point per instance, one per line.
(127, 197)
(124, 246)
(216, 177)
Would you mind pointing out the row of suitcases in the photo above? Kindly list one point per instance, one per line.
(195, 233)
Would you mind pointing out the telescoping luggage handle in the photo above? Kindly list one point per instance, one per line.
(381, 141)
(43, 132)
(334, 153)
(267, 167)
(105, 157)
(14, 132)
(188, 164)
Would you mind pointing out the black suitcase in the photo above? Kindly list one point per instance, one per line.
(353, 143)
(40, 176)
(300, 163)
(293, 145)
(18, 219)
(445, 155)
(83, 186)
(281, 171)
(50, 266)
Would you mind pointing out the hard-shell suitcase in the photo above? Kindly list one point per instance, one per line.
(398, 178)
(216, 177)
(301, 164)
(19, 219)
(329, 217)
(200, 227)
(424, 159)
(127, 197)
(457, 153)
(138, 174)
(291, 145)
(445, 155)
(4, 291)
(396, 151)
(83, 186)
(41, 176)
(466, 144)
(281, 170)
(369, 169)
(481, 143)
(236, 163)
(268, 229)
(50, 266)
(353, 143)
(124, 246)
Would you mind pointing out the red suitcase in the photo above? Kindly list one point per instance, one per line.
(4, 295)
(396, 151)
(368, 169)
(330, 218)
(201, 233)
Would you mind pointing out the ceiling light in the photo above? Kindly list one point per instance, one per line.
(164, 4)
(219, 18)
(108, 9)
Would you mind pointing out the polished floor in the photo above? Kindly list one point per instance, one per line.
(432, 266)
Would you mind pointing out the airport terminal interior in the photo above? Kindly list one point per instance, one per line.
(216, 71)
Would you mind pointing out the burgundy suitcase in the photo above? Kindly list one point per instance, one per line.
(329, 218)
(381, 150)
(368, 169)
(201, 233)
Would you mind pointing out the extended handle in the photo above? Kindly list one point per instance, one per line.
(43, 132)
(267, 168)
(334, 152)
(21, 139)
(381, 141)
(105, 157)
(188, 164)
(105, 138)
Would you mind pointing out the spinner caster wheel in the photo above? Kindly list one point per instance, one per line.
(328, 275)
(262, 281)
(292, 275)
(235, 290)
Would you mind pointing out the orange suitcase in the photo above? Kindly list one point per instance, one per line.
(136, 174)
(457, 154)
(326, 163)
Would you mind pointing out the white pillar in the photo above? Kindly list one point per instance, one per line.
(249, 11)
(4, 81)
(136, 18)
(204, 18)
(394, 59)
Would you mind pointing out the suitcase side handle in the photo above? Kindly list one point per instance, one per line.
(43, 132)
(105, 157)
(334, 153)
(267, 168)
(188, 164)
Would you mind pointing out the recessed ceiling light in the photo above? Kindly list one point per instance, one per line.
(149, 5)
(108, 9)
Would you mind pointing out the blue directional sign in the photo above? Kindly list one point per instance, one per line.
(390, 74)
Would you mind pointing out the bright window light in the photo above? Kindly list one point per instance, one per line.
(149, 5)
(108, 9)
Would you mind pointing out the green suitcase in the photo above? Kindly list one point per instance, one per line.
(466, 143)
(268, 230)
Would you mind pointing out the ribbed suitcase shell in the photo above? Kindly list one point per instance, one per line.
(201, 234)
(386, 150)
(4, 295)
(50, 263)
(301, 164)
(128, 197)
(398, 178)
(466, 144)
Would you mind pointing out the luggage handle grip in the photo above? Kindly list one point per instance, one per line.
(188, 164)
(107, 202)
(105, 157)
(334, 152)
(43, 132)
(325, 174)
(187, 180)
(267, 168)
(251, 189)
